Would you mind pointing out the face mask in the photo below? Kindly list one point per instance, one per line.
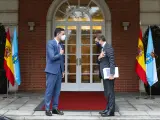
(63, 37)
(97, 43)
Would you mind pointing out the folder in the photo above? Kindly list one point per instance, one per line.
(106, 73)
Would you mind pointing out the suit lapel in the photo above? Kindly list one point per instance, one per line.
(57, 46)
(105, 46)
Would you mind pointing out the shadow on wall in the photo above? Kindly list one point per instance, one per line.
(155, 89)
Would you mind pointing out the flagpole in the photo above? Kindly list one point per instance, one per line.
(7, 88)
(140, 95)
(15, 94)
(151, 97)
(15, 91)
(150, 92)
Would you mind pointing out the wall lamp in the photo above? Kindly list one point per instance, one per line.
(125, 25)
(31, 25)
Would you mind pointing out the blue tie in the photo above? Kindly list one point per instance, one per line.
(59, 47)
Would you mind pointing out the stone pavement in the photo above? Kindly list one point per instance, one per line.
(22, 108)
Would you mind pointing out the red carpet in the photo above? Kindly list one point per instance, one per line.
(80, 101)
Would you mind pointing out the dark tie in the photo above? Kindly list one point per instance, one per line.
(59, 47)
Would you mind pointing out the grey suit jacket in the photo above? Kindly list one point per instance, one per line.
(108, 60)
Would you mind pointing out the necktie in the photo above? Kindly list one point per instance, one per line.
(59, 47)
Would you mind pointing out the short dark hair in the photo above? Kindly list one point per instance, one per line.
(101, 37)
(57, 30)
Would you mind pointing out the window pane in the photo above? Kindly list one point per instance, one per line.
(85, 39)
(59, 16)
(84, 3)
(95, 12)
(71, 68)
(96, 49)
(71, 78)
(96, 79)
(71, 49)
(85, 49)
(71, 30)
(86, 69)
(71, 59)
(61, 26)
(78, 16)
(71, 39)
(97, 29)
(85, 30)
(95, 59)
(85, 78)
(95, 69)
(85, 59)
(63, 7)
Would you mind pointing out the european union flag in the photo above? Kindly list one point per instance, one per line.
(15, 58)
(151, 70)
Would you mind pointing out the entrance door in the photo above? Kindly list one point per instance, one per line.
(81, 68)
(82, 20)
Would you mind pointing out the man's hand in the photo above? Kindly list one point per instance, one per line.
(102, 54)
(111, 77)
(61, 52)
(63, 74)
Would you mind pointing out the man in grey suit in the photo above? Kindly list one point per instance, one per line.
(106, 60)
(54, 71)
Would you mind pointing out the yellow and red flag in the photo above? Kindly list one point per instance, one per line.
(140, 60)
(8, 63)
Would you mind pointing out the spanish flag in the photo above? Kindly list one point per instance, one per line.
(140, 60)
(8, 63)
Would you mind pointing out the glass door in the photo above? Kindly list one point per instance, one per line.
(89, 69)
(81, 52)
(70, 82)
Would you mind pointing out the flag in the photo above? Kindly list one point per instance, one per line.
(151, 69)
(15, 58)
(8, 63)
(140, 60)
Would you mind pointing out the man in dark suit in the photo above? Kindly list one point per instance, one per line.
(106, 60)
(54, 71)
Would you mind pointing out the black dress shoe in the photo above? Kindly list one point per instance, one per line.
(107, 114)
(48, 113)
(103, 112)
(56, 111)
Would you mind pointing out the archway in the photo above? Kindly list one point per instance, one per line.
(81, 19)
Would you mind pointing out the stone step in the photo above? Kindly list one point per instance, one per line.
(84, 118)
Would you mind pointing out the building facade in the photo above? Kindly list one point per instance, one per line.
(81, 19)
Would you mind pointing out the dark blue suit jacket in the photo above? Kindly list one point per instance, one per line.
(54, 60)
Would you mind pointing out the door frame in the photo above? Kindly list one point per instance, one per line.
(78, 86)
(51, 23)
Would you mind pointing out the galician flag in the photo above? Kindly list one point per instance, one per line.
(15, 59)
(151, 69)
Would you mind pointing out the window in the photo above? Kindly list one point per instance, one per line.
(78, 10)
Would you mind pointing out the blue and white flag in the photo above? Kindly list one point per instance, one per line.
(15, 58)
(151, 69)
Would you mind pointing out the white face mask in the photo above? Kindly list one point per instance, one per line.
(63, 37)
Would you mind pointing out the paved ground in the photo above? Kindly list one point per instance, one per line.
(22, 108)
